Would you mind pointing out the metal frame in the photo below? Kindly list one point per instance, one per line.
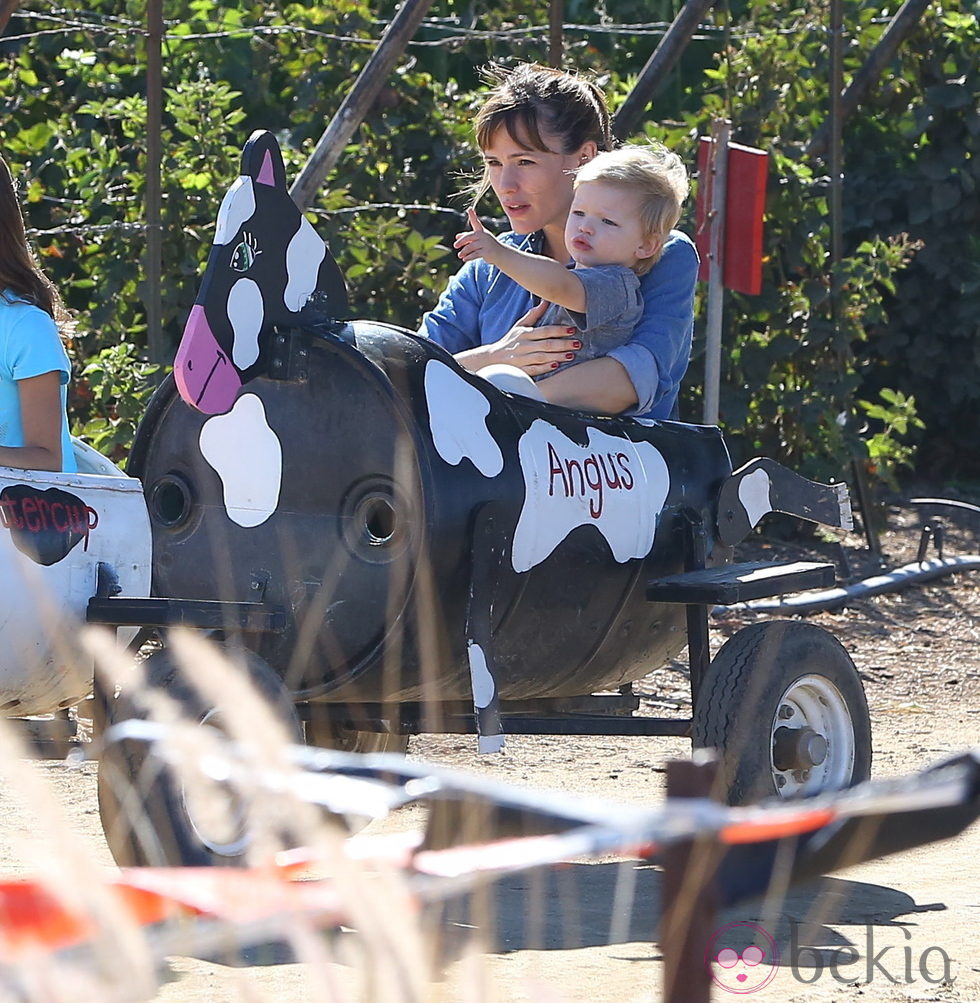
(699, 588)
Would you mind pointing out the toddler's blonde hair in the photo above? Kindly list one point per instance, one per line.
(657, 175)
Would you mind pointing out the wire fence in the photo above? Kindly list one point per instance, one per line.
(454, 32)
(99, 229)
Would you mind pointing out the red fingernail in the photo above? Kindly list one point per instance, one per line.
(554, 365)
(569, 330)
(571, 355)
(576, 344)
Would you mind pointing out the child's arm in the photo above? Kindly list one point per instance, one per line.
(40, 417)
(538, 274)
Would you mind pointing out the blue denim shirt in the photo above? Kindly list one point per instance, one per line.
(481, 304)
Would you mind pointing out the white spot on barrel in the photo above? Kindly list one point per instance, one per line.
(458, 420)
(247, 456)
(617, 485)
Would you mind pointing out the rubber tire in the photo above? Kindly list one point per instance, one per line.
(741, 694)
(324, 734)
(140, 802)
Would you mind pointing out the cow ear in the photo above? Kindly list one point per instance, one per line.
(262, 160)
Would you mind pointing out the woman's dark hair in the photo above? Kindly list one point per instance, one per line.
(19, 270)
(530, 99)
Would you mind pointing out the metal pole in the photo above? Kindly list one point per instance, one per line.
(358, 102)
(718, 179)
(154, 235)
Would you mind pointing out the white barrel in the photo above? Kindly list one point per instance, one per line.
(55, 529)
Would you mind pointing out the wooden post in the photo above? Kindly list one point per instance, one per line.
(718, 180)
(556, 24)
(153, 194)
(7, 8)
(358, 102)
(658, 66)
(867, 76)
(690, 896)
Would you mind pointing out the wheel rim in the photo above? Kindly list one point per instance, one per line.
(215, 809)
(812, 718)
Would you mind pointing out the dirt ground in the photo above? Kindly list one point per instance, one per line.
(588, 930)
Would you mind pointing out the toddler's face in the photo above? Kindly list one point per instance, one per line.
(604, 228)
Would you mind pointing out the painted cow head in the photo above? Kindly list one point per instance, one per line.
(267, 267)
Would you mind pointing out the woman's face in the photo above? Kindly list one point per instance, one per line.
(534, 187)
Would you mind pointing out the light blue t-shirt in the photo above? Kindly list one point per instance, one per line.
(481, 304)
(29, 346)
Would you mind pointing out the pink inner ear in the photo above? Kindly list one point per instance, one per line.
(267, 176)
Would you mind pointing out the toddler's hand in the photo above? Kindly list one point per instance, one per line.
(476, 243)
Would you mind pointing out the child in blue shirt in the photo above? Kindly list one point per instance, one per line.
(34, 367)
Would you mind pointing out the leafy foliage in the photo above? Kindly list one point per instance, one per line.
(916, 169)
(894, 325)
(818, 335)
(114, 389)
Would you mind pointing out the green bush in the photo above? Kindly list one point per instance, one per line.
(914, 169)
(894, 327)
(799, 355)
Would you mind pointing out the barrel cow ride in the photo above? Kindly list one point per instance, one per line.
(397, 545)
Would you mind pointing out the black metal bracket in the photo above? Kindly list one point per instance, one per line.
(695, 558)
(289, 356)
(106, 581)
(932, 530)
(595, 715)
(866, 504)
(203, 614)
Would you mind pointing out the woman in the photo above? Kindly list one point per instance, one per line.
(34, 367)
(535, 129)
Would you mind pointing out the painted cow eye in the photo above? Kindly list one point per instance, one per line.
(243, 257)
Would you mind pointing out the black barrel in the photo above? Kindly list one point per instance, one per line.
(388, 464)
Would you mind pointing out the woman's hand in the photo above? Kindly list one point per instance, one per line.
(535, 350)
